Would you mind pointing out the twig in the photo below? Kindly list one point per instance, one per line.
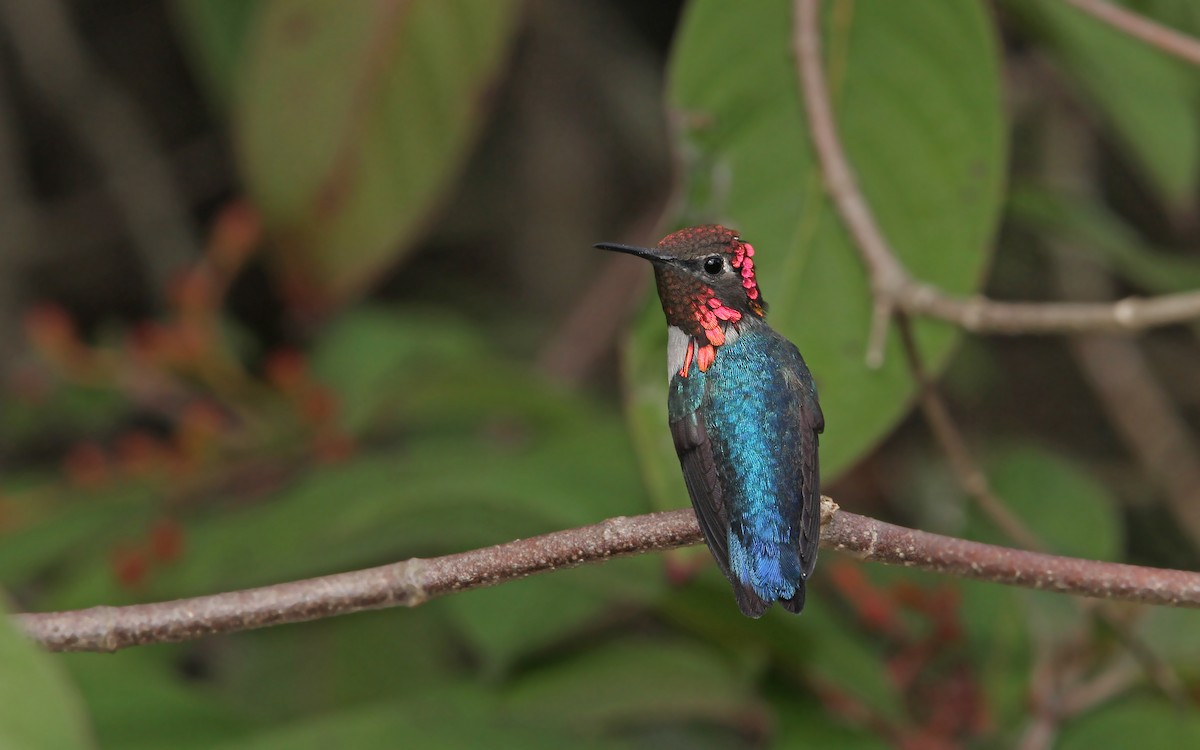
(1160, 37)
(893, 287)
(416, 581)
(1054, 703)
(970, 477)
(1145, 418)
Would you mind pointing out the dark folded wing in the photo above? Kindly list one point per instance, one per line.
(810, 484)
(703, 484)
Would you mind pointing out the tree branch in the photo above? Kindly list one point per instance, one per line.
(413, 582)
(1139, 27)
(894, 289)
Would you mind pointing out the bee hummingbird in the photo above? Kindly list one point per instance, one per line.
(743, 414)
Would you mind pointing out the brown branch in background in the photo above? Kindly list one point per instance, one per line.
(1139, 27)
(107, 124)
(1059, 697)
(970, 477)
(1134, 401)
(415, 581)
(894, 289)
(1145, 417)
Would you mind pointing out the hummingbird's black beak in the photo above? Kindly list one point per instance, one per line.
(651, 254)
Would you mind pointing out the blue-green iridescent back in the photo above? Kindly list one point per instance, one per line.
(746, 432)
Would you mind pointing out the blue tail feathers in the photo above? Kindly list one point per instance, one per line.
(764, 573)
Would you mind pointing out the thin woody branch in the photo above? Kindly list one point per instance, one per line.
(1139, 27)
(416, 581)
(894, 288)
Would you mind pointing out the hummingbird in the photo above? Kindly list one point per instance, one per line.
(743, 414)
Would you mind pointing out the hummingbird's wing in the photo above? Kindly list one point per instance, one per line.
(802, 424)
(813, 422)
(697, 459)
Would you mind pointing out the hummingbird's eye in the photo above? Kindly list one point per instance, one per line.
(713, 265)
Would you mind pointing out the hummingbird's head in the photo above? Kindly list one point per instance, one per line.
(705, 277)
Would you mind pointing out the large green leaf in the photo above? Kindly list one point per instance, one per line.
(522, 618)
(140, 701)
(373, 359)
(352, 119)
(804, 725)
(996, 627)
(1149, 99)
(918, 106)
(1071, 512)
(638, 682)
(462, 716)
(1172, 633)
(38, 706)
(348, 661)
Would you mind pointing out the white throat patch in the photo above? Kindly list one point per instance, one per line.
(677, 344)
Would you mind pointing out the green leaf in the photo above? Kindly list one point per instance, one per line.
(140, 701)
(1148, 98)
(996, 625)
(1172, 634)
(525, 617)
(1068, 509)
(803, 725)
(38, 705)
(25, 552)
(452, 718)
(1144, 724)
(395, 654)
(933, 176)
(632, 682)
(352, 120)
(372, 357)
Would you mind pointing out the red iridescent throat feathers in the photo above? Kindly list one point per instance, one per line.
(696, 307)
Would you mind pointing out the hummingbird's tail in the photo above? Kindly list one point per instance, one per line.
(753, 605)
(773, 573)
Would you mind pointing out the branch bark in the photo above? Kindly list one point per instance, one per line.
(893, 287)
(416, 581)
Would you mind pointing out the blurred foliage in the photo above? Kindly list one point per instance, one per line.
(189, 453)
